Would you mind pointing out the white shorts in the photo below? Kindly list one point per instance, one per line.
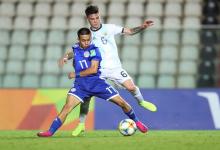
(117, 75)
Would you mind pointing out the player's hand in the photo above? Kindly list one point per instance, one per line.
(62, 61)
(71, 75)
(147, 23)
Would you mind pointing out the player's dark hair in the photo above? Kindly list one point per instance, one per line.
(91, 9)
(83, 31)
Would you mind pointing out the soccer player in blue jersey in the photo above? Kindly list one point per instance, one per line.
(103, 36)
(88, 83)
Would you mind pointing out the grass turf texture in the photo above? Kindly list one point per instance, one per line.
(112, 140)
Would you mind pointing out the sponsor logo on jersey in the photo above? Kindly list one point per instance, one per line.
(92, 53)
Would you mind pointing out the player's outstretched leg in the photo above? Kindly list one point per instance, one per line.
(135, 91)
(58, 121)
(129, 112)
(84, 109)
(148, 105)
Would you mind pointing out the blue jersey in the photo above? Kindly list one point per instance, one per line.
(83, 57)
(91, 85)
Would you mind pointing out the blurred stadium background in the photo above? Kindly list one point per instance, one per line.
(176, 62)
(180, 51)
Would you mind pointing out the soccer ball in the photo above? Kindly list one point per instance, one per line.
(127, 127)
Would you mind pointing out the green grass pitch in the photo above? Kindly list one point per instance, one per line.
(113, 140)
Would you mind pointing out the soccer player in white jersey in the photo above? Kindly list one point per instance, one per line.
(111, 68)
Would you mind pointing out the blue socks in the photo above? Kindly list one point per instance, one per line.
(132, 115)
(55, 125)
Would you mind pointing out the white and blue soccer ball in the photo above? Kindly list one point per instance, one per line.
(127, 127)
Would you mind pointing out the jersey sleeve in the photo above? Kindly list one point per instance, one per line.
(115, 29)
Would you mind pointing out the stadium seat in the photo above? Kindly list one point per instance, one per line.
(169, 52)
(43, 9)
(76, 22)
(170, 37)
(38, 37)
(209, 37)
(51, 67)
(116, 9)
(208, 52)
(3, 52)
(173, 9)
(22, 23)
(187, 67)
(5, 23)
(5, 37)
(133, 21)
(35, 52)
(191, 23)
(14, 67)
(2, 67)
(19, 37)
(30, 81)
(53, 52)
(7, 9)
(189, 52)
(130, 66)
(164, 69)
(166, 81)
(132, 40)
(61, 9)
(130, 52)
(211, 8)
(172, 23)
(149, 52)
(146, 81)
(192, 9)
(17, 52)
(151, 37)
(75, 11)
(186, 81)
(43, 25)
(11, 81)
(190, 37)
(56, 37)
(137, 6)
(148, 67)
(25, 9)
(154, 9)
(49, 81)
(71, 37)
(64, 82)
(32, 67)
(207, 67)
(58, 23)
(205, 80)
(115, 20)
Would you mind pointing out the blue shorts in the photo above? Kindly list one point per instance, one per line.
(86, 87)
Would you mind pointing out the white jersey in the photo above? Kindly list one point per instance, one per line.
(104, 39)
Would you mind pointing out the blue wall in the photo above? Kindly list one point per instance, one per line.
(177, 109)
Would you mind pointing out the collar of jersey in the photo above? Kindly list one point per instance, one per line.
(96, 29)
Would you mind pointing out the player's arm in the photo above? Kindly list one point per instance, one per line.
(91, 70)
(135, 30)
(67, 56)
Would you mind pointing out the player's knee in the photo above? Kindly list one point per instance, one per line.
(131, 88)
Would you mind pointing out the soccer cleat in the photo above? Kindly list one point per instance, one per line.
(79, 129)
(44, 134)
(148, 105)
(141, 127)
